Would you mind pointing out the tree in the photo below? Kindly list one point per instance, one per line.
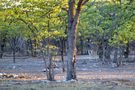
(73, 20)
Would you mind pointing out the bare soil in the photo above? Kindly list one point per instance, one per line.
(28, 70)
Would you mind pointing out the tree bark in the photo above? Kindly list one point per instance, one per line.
(73, 20)
(14, 49)
(50, 74)
(115, 55)
(2, 44)
(81, 43)
(62, 54)
(107, 53)
(126, 51)
(100, 51)
(1, 50)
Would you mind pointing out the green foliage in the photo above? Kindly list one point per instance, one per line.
(41, 19)
(34, 19)
(107, 20)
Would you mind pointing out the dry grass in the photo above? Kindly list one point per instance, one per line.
(104, 85)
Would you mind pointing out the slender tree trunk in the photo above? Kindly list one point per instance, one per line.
(62, 54)
(1, 50)
(119, 60)
(31, 47)
(50, 68)
(104, 52)
(115, 55)
(107, 53)
(81, 43)
(50, 74)
(126, 51)
(100, 51)
(2, 44)
(14, 49)
(45, 62)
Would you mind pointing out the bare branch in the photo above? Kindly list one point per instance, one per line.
(84, 2)
(64, 9)
(79, 5)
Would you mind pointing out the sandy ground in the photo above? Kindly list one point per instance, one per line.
(88, 69)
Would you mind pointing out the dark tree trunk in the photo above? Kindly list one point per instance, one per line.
(81, 43)
(119, 60)
(1, 50)
(100, 51)
(50, 74)
(50, 71)
(32, 47)
(104, 51)
(14, 49)
(107, 53)
(115, 55)
(2, 44)
(73, 20)
(71, 41)
(126, 51)
(14, 56)
(62, 53)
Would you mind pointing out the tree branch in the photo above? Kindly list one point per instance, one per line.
(84, 2)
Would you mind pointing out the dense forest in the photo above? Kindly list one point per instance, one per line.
(68, 28)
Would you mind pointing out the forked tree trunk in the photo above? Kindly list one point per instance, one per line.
(73, 20)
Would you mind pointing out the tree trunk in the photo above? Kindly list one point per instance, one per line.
(107, 53)
(32, 43)
(50, 71)
(119, 60)
(100, 51)
(31, 47)
(126, 51)
(2, 44)
(14, 49)
(81, 43)
(44, 59)
(115, 55)
(104, 51)
(1, 50)
(73, 20)
(50, 74)
(62, 54)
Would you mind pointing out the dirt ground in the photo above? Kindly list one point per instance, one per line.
(89, 69)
